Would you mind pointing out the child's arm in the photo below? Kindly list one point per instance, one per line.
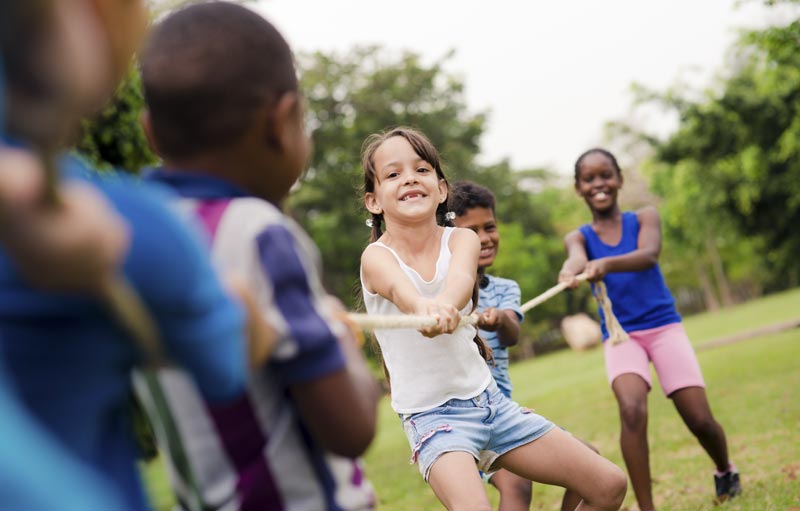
(648, 248)
(382, 275)
(576, 260)
(340, 409)
(465, 247)
(503, 321)
(261, 337)
(326, 373)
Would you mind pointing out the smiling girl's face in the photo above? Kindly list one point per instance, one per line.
(598, 181)
(406, 186)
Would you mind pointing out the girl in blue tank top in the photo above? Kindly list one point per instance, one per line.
(622, 249)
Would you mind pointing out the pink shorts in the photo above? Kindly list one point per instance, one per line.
(670, 350)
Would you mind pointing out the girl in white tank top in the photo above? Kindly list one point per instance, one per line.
(416, 363)
(453, 414)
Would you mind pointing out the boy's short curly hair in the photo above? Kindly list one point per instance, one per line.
(466, 195)
(206, 69)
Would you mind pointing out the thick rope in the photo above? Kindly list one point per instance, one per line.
(616, 334)
(530, 304)
(374, 321)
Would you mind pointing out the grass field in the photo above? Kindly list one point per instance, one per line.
(752, 387)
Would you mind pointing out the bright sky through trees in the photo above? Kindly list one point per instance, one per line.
(550, 73)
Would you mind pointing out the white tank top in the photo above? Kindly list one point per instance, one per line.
(426, 372)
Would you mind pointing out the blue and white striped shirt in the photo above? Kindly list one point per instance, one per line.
(501, 294)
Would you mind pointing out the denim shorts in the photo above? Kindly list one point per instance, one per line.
(486, 426)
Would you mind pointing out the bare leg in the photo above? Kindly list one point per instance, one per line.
(571, 499)
(558, 458)
(631, 393)
(692, 404)
(456, 483)
(515, 492)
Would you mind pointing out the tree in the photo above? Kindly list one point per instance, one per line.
(114, 138)
(729, 176)
(742, 150)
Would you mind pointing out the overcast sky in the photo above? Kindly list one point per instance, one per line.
(549, 73)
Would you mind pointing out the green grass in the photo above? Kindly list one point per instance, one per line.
(764, 311)
(752, 389)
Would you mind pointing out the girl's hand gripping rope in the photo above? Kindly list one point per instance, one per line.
(570, 280)
(446, 315)
(375, 321)
(567, 279)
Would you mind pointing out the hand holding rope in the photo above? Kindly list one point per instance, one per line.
(616, 334)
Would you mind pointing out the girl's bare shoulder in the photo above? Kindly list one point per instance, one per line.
(648, 215)
(463, 236)
(574, 236)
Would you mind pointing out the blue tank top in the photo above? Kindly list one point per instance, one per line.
(640, 299)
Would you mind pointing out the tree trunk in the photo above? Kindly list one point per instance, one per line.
(712, 304)
(719, 271)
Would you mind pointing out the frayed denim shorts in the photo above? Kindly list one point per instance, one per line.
(486, 426)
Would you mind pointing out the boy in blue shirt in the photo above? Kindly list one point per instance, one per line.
(66, 356)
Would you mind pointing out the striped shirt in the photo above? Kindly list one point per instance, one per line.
(255, 453)
(500, 294)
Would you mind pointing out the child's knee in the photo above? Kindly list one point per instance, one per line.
(633, 414)
(613, 488)
(520, 490)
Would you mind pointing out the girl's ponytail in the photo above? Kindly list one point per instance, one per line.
(483, 348)
(375, 227)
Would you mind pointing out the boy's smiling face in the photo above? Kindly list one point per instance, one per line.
(482, 221)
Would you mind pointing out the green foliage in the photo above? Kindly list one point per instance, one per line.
(114, 138)
(729, 175)
(518, 195)
(748, 141)
(531, 260)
